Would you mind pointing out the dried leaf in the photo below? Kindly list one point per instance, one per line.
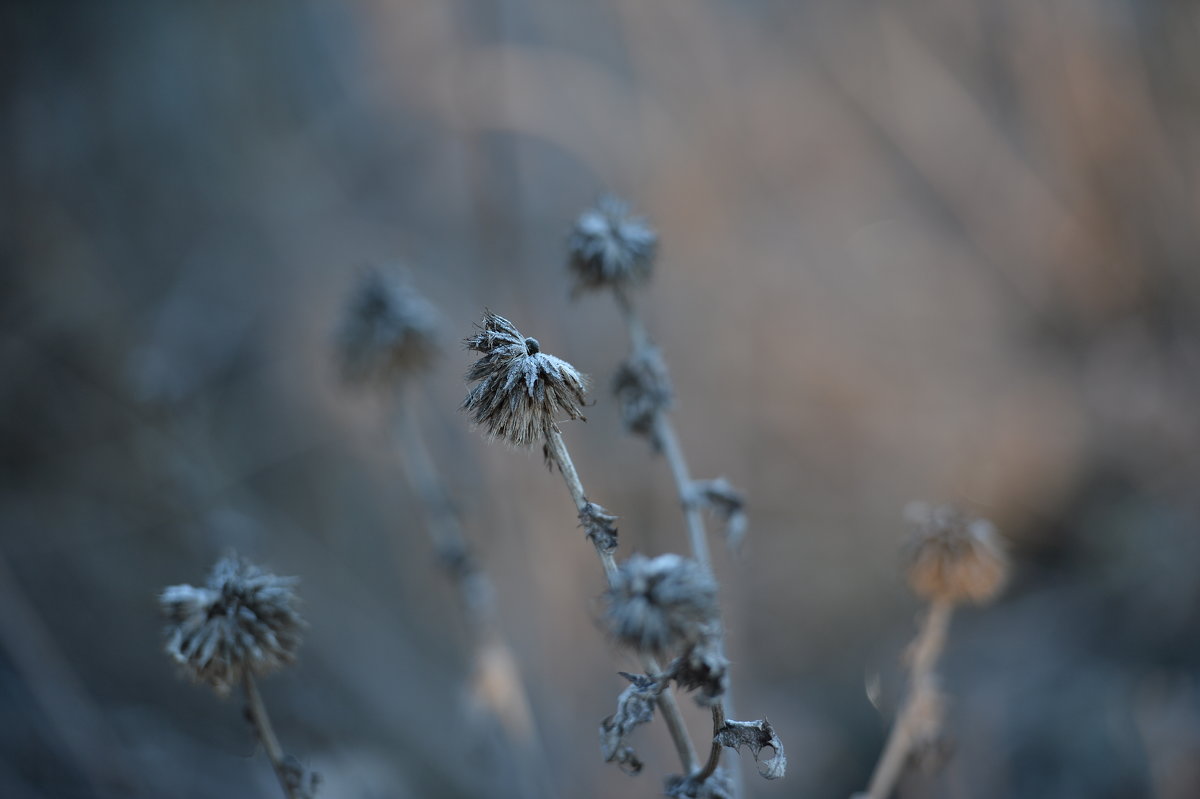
(757, 735)
(726, 503)
(635, 706)
(599, 526)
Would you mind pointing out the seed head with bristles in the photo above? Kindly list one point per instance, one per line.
(953, 557)
(242, 620)
(522, 391)
(660, 604)
(611, 249)
(387, 332)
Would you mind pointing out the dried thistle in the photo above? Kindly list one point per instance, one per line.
(661, 604)
(703, 668)
(243, 621)
(952, 557)
(521, 390)
(387, 331)
(609, 248)
(643, 391)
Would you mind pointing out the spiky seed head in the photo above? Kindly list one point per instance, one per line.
(242, 620)
(611, 249)
(521, 391)
(661, 604)
(388, 331)
(953, 557)
(643, 390)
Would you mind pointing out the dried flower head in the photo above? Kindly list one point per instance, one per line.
(704, 669)
(952, 557)
(243, 620)
(719, 785)
(610, 248)
(521, 389)
(661, 604)
(643, 390)
(387, 332)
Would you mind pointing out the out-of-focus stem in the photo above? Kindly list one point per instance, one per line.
(923, 656)
(666, 700)
(266, 734)
(668, 443)
(509, 701)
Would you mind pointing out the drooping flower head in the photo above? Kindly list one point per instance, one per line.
(242, 620)
(662, 604)
(953, 557)
(611, 249)
(522, 391)
(387, 332)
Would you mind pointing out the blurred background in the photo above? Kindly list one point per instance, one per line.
(917, 249)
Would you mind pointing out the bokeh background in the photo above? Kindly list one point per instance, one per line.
(916, 249)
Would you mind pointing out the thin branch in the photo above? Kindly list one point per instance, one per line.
(266, 734)
(923, 656)
(557, 449)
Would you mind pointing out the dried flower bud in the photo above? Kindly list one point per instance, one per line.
(609, 248)
(635, 706)
(521, 388)
(243, 620)
(719, 785)
(952, 557)
(387, 332)
(660, 604)
(726, 503)
(703, 668)
(643, 390)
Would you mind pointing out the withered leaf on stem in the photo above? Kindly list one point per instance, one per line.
(726, 503)
(757, 735)
(635, 706)
(598, 524)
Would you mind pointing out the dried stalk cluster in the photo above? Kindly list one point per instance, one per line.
(951, 559)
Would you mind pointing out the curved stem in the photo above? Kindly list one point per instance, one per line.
(666, 700)
(266, 734)
(923, 654)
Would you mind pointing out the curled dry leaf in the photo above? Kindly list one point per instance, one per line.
(757, 735)
(598, 524)
(635, 706)
(726, 503)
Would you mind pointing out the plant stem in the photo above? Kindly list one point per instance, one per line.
(266, 734)
(923, 655)
(666, 700)
(668, 442)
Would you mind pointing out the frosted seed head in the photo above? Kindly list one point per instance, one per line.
(520, 392)
(608, 248)
(661, 604)
(243, 620)
(387, 333)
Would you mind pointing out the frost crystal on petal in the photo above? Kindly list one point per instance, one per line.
(387, 331)
(610, 248)
(521, 391)
(660, 604)
(242, 620)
